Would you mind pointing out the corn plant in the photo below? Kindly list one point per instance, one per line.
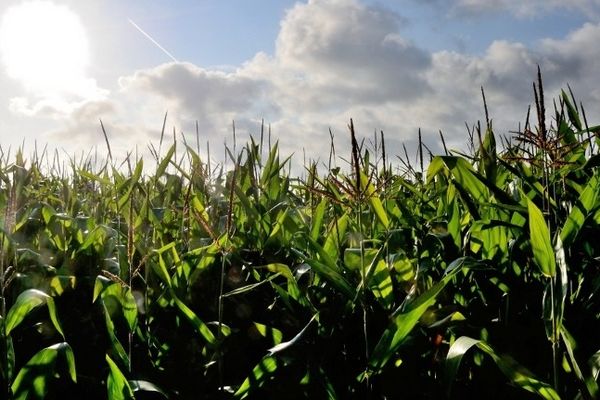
(470, 273)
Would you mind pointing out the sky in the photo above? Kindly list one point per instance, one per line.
(302, 67)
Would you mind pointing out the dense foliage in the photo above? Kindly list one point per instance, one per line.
(478, 277)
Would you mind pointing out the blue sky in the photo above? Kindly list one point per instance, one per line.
(302, 66)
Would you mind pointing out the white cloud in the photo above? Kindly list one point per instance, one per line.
(336, 60)
(349, 52)
(196, 90)
(527, 8)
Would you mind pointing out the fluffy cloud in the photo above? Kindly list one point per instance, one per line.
(341, 59)
(529, 8)
(348, 52)
(334, 59)
(197, 90)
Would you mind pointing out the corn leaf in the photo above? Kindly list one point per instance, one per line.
(406, 318)
(196, 322)
(539, 236)
(517, 375)
(585, 204)
(26, 302)
(34, 377)
(260, 374)
(374, 201)
(145, 386)
(116, 383)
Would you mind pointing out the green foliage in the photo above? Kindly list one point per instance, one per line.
(32, 381)
(514, 372)
(191, 282)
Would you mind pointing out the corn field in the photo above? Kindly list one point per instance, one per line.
(475, 276)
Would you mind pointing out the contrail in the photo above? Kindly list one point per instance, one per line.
(152, 40)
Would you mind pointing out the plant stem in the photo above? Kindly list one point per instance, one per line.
(358, 198)
(555, 334)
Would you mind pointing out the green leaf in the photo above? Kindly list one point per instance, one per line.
(374, 201)
(435, 167)
(161, 268)
(26, 302)
(268, 332)
(402, 265)
(285, 345)
(164, 163)
(33, 378)
(145, 386)
(100, 284)
(250, 287)
(406, 318)
(454, 358)
(116, 294)
(117, 385)
(401, 327)
(133, 180)
(517, 375)
(196, 322)
(381, 284)
(284, 270)
(571, 111)
(260, 374)
(249, 205)
(355, 258)
(7, 369)
(539, 236)
(583, 207)
(330, 274)
(488, 164)
(553, 311)
(92, 177)
(60, 283)
(590, 385)
(335, 236)
(317, 219)
(465, 176)
(324, 256)
(116, 346)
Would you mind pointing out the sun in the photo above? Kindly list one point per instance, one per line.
(44, 46)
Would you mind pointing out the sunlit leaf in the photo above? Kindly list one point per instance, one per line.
(317, 219)
(406, 318)
(590, 384)
(145, 386)
(585, 204)
(539, 236)
(268, 332)
(116, 383)
(374, 201)
(517, 375)
(116, 346)
(260, 374)
(196, 322)
(27, 302)
(285, 345)
(34, 377)
(331, 274)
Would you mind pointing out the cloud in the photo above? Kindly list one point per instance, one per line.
(349, 53)
(50, 106)
(507, 70)
(529, 8)
(197, 90)
(341, 59)
(333, 59)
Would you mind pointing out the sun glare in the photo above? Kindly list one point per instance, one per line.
(44, 46)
